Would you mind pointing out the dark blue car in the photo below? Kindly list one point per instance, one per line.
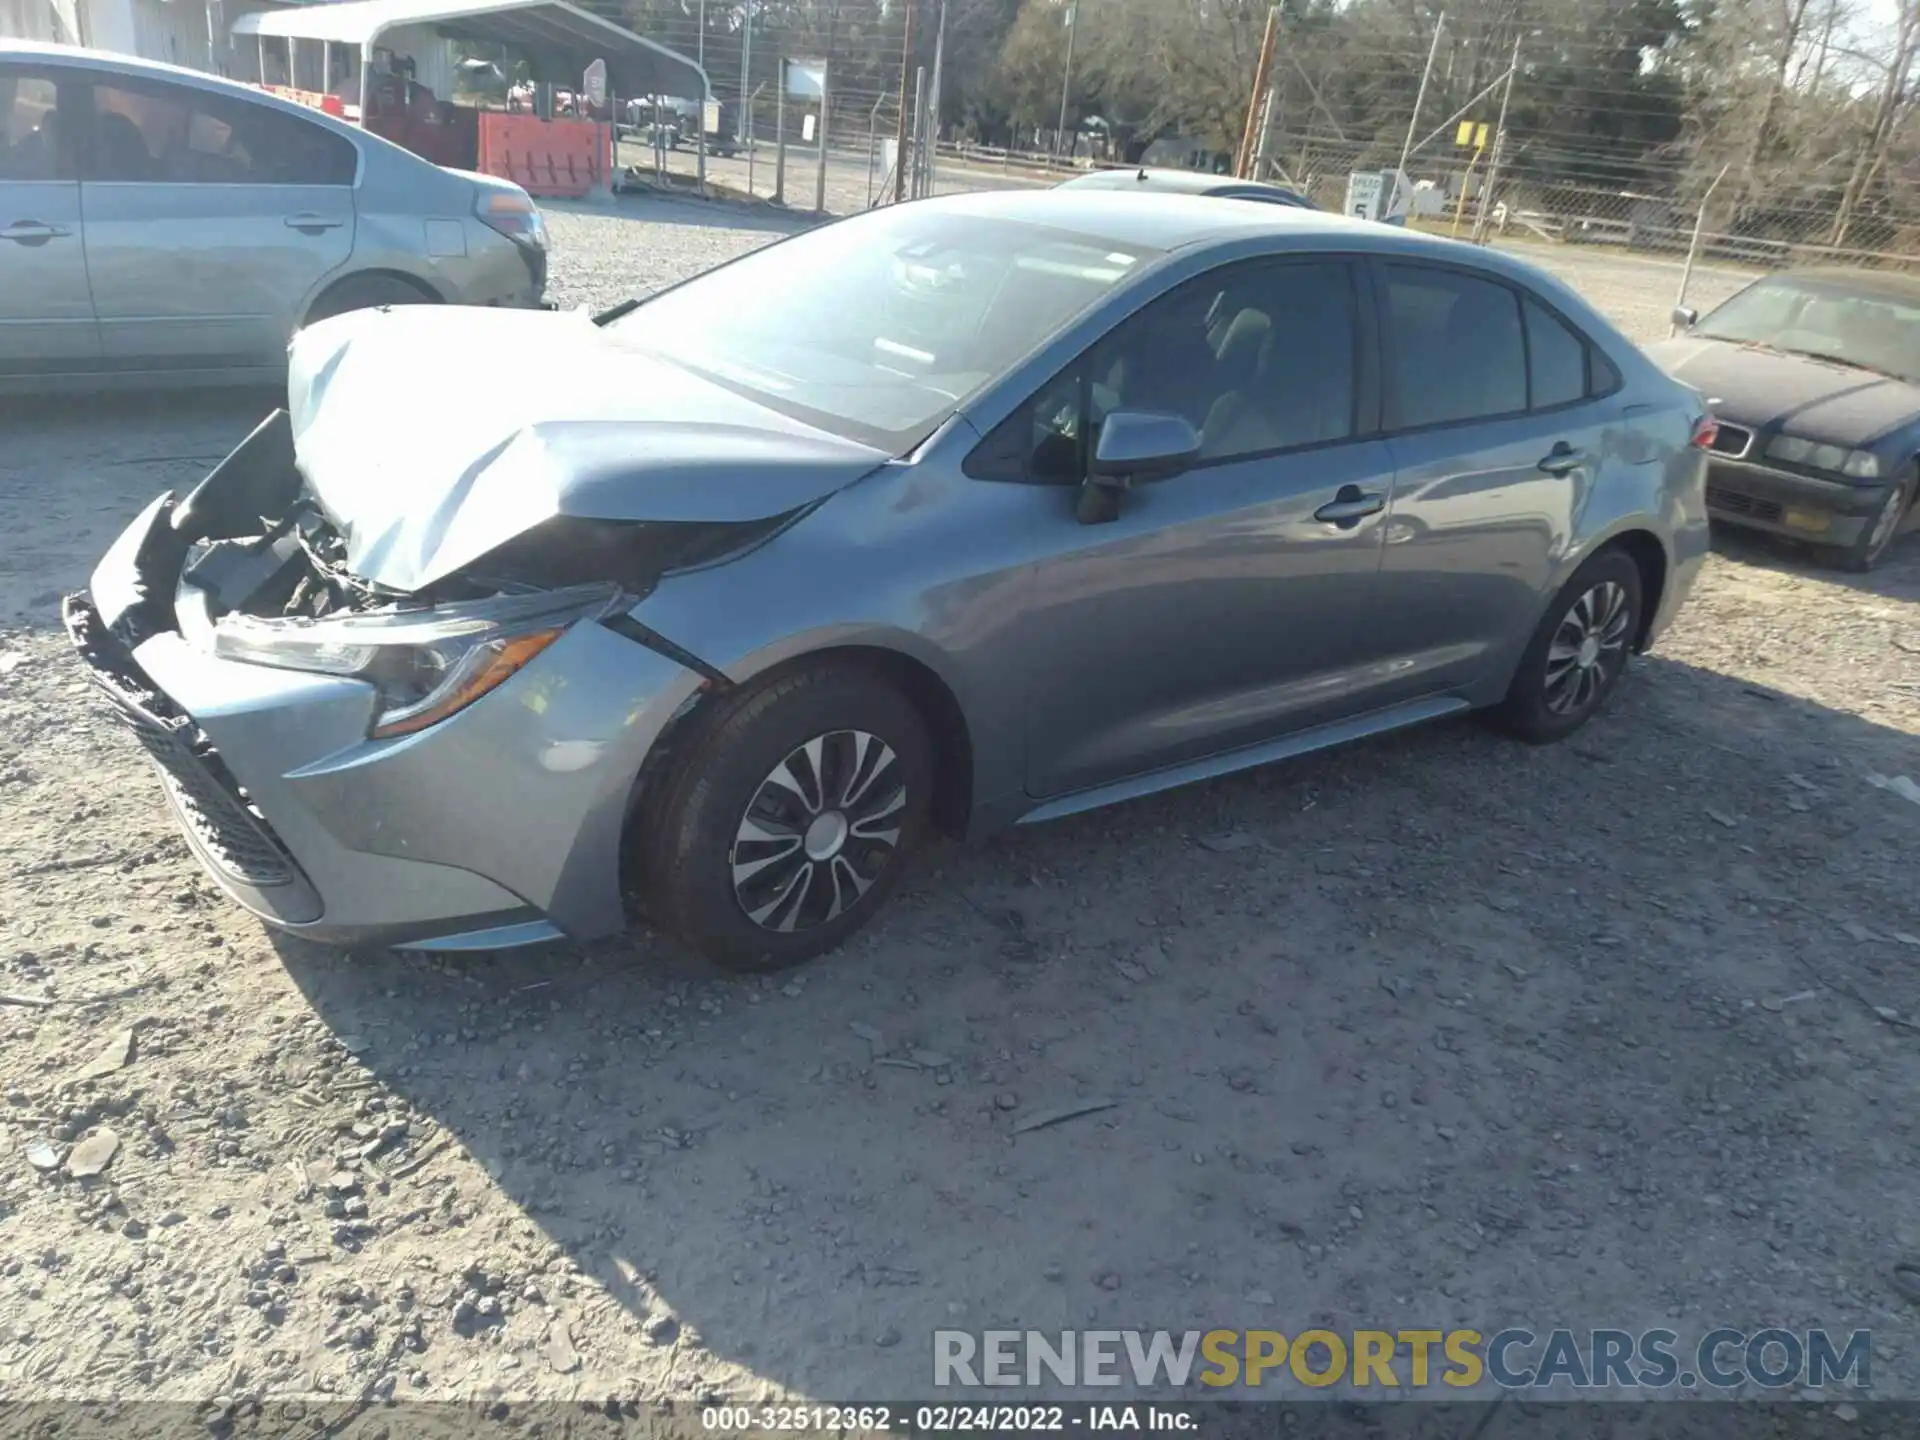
(1814, 377)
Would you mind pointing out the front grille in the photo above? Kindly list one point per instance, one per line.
(1734, 503)
(234, 835)
(1733, 441)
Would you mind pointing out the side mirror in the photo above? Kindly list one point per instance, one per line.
(1136, 447)
(1139, 446)
(1685, 317)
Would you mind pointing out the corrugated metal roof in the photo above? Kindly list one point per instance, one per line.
(559, 39)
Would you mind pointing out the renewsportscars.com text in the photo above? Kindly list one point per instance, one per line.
(1380, 1360)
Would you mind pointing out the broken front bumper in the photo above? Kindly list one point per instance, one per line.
(500, 825)
(1782, 502)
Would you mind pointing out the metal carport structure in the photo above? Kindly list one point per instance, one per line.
(558, 39)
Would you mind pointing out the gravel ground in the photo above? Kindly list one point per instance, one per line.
(1436, 1030)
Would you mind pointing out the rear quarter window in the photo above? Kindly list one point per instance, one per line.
(1556, 359)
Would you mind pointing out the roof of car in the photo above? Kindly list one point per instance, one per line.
(29, 50)
(11, 49)
(1167, 222)
(1163, 221)
(1181, 182)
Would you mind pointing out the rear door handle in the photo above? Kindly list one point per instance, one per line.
(1563, 459)
(33, 232)
(313, 224)
(1350, 506)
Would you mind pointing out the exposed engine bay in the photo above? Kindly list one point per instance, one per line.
(294, 568)
(256, 543)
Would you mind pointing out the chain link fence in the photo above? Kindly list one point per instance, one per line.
(802, 97)
(810, 98)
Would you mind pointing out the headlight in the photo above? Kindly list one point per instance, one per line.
(426, 663)
(514, 215)
(1860, 464)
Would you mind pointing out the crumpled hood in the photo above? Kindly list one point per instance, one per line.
(1814, 399)
(431, 435)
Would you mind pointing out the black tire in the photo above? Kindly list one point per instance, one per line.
(1553, 695)
(366, 292)
(691, 844)
(1879, 533)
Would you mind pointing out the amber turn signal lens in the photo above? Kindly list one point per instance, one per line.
(486, 667)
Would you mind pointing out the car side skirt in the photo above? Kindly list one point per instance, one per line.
(1303, 742)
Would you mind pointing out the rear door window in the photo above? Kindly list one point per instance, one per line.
(283, 149)
(176, 135)
(1455, 347)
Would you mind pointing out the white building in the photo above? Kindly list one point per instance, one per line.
(177, 31)
(197, 34)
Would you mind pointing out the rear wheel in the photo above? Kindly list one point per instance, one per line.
(366, 292)
(1576, 658)
(1876, 537)
(789, 820)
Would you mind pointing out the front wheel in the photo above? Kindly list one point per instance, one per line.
(1876, 537)
(1576, 658)
(789, 820)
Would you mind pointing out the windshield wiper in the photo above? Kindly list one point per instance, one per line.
(625, 307)
(1835, 360)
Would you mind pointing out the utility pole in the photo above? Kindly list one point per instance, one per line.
(1256, 102)
(933, 102)
(700, 43)
(1066, 79)
(900, 138)
(826, 101)
(780, 132)
(918, 187)
(1267, 107)
(1481, 220)
(1413, 125)
(746, 78)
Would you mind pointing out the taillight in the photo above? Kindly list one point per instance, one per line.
(1706, 430)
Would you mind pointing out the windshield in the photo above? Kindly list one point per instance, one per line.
(1824, 318)
(881, 325)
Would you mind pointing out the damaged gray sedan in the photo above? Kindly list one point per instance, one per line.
(960, 514)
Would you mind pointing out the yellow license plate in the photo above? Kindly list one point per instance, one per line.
(1815, 521)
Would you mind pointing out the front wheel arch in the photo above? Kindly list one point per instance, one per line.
(691, 815)
(939, 708)
(394, 282)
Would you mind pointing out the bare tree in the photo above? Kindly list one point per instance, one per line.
(1878, 140)
(1786, 22)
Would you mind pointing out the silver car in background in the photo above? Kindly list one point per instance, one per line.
(965, 513)
(161, 225)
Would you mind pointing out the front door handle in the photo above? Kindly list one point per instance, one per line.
(33, 232)
(1563, 459)
(1350, 506)
(313, 224)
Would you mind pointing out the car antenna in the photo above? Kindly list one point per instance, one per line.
(1142, 175)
